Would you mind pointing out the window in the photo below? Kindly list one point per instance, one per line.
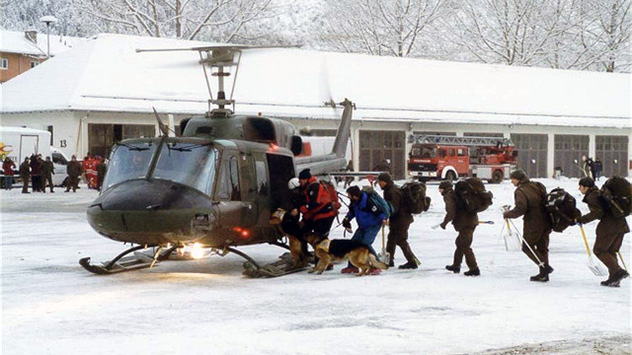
(4, 63)
(34, 64)
(59, 159)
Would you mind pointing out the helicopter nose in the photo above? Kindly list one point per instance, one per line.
(146, 212)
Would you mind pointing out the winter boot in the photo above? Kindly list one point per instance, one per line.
(543, 276)
(454, 269)
(473, 272)
(616, 278)
(408, 265)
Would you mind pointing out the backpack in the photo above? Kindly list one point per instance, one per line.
(331, 191)
(472, 196)
(378, 201)
(616, 196)
(414, 199)
(562, 209)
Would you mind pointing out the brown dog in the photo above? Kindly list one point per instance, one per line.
(357, 252)
(280, 219)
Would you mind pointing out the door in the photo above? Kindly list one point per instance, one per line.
(532, 149)
(29, 144)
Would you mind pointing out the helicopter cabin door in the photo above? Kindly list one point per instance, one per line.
(249, 188)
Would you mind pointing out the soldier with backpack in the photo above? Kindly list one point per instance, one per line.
(530, 200)
(464, 222)
(610, 231)
(399, 222)
(370, 218)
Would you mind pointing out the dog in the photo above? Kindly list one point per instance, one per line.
(355, 251)
(289, 226)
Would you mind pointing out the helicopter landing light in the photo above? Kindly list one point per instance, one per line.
(243, 232)
(197, 251)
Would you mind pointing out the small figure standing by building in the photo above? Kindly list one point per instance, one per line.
(610, 231)
(25, 175)
(73, 169)
(598, 169)
(587, 166)
(399, 222)
(529, 199)
(36, 180)
(101, 170)
(369, 218)
(47, 170)
(464, 222)
(349, 179)
(8, 166)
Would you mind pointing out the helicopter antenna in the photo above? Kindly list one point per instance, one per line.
(163, 127)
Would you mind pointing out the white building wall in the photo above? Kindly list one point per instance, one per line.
(71, 129)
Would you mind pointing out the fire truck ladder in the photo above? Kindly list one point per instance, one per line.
(453, 140)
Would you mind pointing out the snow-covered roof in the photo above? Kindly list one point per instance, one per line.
(16, 42)
(106, 73)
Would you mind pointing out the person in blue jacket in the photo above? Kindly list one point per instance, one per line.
(369, 219)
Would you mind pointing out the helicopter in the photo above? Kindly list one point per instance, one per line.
(214, 187)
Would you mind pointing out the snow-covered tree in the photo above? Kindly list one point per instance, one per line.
(388, 27)
(513, 32)
(217, 20)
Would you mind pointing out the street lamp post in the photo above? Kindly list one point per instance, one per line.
(48, 20)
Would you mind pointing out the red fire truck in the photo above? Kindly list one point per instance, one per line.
(450, 157)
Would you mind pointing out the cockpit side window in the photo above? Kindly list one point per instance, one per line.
(129, 161)
(228, 187)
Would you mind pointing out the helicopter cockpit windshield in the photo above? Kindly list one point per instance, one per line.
(129, 161)
(188, 163)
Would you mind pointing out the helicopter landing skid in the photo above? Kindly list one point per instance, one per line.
(123, 263)
(283, 266)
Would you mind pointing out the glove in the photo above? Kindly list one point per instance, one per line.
(346, 223)
(442, 225)
(506, 214)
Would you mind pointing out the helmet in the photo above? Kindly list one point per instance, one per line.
(293, 183)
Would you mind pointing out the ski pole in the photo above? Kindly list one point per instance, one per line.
(622, 261)
(508, 227)
(486, 222)
(540, 263)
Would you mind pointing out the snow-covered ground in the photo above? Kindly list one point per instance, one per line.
(50, 305)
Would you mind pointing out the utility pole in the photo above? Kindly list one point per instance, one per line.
(48, 20)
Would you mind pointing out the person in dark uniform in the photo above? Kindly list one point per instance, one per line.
(36, 181)
(610, 232)
(25, 175)
(73, 169)
(101, 170)
(47, 170)
(398, 222)
(291, 220)
(464, 222)
(530, 198)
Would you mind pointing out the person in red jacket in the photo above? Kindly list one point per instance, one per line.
(317, 209)
(8, 166)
